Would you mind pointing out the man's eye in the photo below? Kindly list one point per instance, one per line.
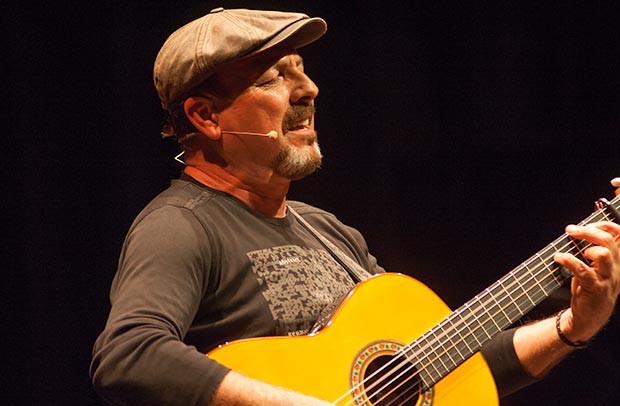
(269, 81)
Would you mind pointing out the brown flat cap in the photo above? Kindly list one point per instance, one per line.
(195, 51)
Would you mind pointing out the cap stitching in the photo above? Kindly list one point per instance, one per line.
(200, 39)
(245, 28)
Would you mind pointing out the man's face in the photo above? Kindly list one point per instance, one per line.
(273, 93)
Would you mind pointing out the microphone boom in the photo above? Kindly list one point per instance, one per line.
(273, 134)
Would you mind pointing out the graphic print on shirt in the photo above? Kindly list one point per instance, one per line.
(297, 284)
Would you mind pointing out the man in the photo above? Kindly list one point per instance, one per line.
(221, 255)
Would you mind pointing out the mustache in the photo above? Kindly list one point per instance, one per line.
(297, 113)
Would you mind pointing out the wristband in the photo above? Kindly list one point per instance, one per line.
(565, 340)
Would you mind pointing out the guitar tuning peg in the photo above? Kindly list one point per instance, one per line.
(615, 182)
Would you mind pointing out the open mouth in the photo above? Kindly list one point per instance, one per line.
(300, 125)
(298, 117)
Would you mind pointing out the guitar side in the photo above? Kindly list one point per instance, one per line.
(386, 309)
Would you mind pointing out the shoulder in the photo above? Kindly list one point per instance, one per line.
(189, 200)
(182, 194)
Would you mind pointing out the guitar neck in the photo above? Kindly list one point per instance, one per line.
(467, 329)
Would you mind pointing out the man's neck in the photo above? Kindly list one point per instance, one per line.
(268, 198)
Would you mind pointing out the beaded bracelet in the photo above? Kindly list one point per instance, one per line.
(565, 340)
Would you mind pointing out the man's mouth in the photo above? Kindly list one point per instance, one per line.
(298, 118)
(301, 125)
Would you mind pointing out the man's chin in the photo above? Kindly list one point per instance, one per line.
(296, 163)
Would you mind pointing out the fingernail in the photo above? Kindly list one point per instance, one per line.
(571, 228)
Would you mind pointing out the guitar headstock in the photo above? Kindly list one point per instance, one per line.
(613, 213)
(615, 182)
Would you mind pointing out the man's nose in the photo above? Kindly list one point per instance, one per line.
(305, 90)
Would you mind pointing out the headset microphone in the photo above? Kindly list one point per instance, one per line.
(273, 134)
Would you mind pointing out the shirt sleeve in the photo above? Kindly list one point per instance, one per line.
(504, 364)
(140, 357)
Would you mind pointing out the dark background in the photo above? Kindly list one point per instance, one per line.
(459, 138)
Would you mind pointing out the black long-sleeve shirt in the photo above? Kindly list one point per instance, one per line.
(199, 268)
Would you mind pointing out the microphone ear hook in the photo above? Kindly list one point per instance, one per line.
(178, 157)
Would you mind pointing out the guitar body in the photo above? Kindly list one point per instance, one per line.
(376, 319)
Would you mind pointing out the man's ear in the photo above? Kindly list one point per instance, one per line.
(200, 112)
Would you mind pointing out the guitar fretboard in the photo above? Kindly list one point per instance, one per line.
(447, 345)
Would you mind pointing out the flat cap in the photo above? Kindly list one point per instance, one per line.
(195, 51)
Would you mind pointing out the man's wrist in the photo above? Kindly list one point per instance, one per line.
(563, 337)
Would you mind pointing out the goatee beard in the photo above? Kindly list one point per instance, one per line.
(295, 163)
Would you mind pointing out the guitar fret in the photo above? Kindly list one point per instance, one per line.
(508, 297)
(441, 356)
(605, 216)
(578, 246)
(454, 360)
(468, 328)
(431, 365)
(533, 280)
(490, 328)
(485, 318)
(520, 301)
(508, 305)
(426, 382)
(525, 292)
(550, 269)
(470, 334)
(491, 316)
(501, 308)
(475, 329)
(455, 347)
(487, 323)
(455, 355)
(413, 357)
(533, 277)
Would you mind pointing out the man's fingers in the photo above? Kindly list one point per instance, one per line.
(589, 233)
(602, 258)
(602, 233)
(576, 266)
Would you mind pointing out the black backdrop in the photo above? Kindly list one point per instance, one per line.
(459, 138)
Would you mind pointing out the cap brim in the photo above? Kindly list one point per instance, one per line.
(296, 35)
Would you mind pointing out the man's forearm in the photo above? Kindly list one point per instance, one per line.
(239, 390)
(539, 347)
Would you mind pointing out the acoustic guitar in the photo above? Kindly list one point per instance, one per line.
(393, 342)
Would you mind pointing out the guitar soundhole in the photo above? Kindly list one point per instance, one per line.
(391, 381)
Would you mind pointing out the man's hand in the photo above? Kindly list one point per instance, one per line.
(595, 288)
(595, 285)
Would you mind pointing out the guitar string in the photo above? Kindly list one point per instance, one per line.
(526, 266)
(442, 336)
(407, 362)
(401, 402)
(404, 363)
(413, 375)
(529, 270)
(487, 291)
(501, 309)
(488, 297)
(464, 321)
